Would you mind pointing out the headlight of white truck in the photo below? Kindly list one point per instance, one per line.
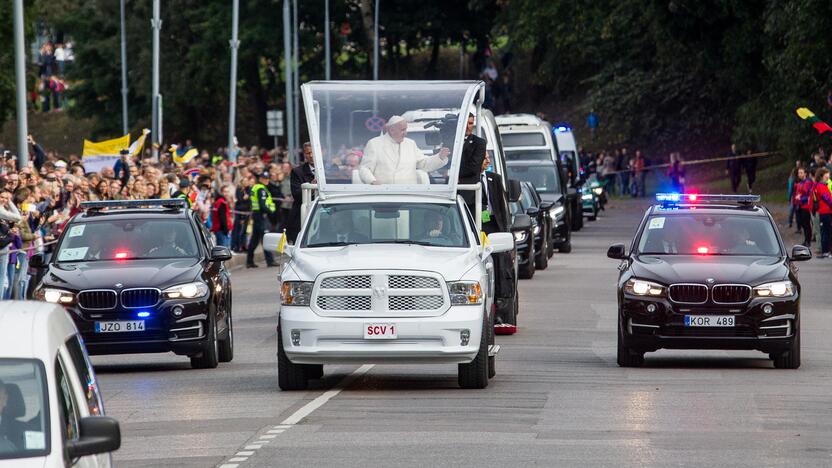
(465, 292)
(296, 293)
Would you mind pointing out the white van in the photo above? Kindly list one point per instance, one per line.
(390, 272)
(51, 411)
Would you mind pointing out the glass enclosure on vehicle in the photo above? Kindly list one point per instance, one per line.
(706, 234)
(24, 412)
(388, 135)
(528, 155)
(430, 224)
(543, 176)
(127, 239)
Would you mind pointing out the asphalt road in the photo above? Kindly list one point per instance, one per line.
(559, 398)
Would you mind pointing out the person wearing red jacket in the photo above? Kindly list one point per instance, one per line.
(803, 201)
(824, 198)
(221, 219)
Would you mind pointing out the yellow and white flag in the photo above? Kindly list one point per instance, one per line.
(98, 155)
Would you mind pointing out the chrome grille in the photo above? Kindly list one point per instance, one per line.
(97, 299)
(688, 293)
(731, 293)
(415, 302)
(140, 297)
(411, 282)
(344, 302)
(347, 282)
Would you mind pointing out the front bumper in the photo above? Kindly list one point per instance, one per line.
(523, 252)
(164, 332)
(560, 231)
(340, 340)
(665, 328)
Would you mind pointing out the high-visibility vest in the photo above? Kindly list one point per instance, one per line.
(185, 197)
(255, 199)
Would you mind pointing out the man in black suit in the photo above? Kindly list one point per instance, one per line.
(300, 175)
(495, 214)
(472, 156)
(11, 430)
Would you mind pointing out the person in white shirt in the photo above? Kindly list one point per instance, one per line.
(393, 158)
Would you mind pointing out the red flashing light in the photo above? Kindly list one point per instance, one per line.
(702, 250)
(121, 255)
(692, 197)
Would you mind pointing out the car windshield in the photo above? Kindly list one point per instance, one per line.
(361, 133)
(522, 139)
(528, 155)
(24, 414)
(127, 239)
(706, 234)
(430, 224)
(543, 176)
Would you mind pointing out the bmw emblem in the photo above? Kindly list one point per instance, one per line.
(119, 285)
(710, 280)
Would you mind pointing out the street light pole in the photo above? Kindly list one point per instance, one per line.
(287, 73)
(296, 65)
(124, 125)
(156, 122)
(327, 52)
(375, 41)
(20, 84)
(232, 94)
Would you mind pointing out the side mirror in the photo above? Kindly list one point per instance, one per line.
(98, 434)
(533, 211)
(800, 253)
(37, 261)
(514, 190)
(220, 253)
(272, 241)
(501, 242)
(546, 206)
(617, 251)
(521, 222)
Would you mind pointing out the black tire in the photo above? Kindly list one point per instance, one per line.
(628, 357)
(566, 247)
(577, 217)
(527, 270)
(226, 345)
(314, 371)
(290, 376)
(791, 358)
(541, 260)
(475, 373)
(209, 357)
(492, 360)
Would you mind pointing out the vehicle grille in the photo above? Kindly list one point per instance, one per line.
(97, 299)
(344, 302)
(688, 293)
(731, 293)
(416, 302)
(347, 282)
(135, 298)
(412, 282)
(736, 332)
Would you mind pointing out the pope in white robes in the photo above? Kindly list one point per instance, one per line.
(393, 158)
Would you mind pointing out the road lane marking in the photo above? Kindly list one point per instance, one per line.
(321, 400)
(277, 431)
(238, 459)
(229, 465)
(245, 454)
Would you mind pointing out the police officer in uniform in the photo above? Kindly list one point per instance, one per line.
(262, 205)
(183, 192)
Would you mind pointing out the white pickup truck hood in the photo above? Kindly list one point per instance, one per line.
(451, 263)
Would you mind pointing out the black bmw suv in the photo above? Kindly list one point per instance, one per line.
(142, 276)
(708, 272)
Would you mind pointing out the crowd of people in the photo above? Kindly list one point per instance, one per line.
(48, 94)
(810, 193)
(37, 200)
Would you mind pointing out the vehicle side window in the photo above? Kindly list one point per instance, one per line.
(66, 404)
(83, 368)
(472, 225)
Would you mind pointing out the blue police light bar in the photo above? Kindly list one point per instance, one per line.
(124, 204)
(562, 128)
(705, 198)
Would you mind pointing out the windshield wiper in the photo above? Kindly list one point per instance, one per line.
(403, 241)
(333, 244)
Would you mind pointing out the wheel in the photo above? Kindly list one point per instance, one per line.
(791, 358)
(550, 251)
(577, 217)
(527, 270)
(566, 247)
(314, 371)
(209, 357)
(289, 376)
(541, 260)
(627, 357)
(475, 373)
(492, 360)
(226, 348)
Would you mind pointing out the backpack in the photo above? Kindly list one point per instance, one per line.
(6, 237)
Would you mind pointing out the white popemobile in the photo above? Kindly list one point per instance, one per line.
(387, 272)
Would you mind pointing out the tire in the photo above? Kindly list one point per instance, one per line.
(492, 360)
(791, 358)
(566, 247)
(550, 251)
(226, 345)
(290, 376)
(541, 260)
(527, 270)
(474, 375)
(577, 217)
(314, 371)
(209, 357)
(627, 357)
